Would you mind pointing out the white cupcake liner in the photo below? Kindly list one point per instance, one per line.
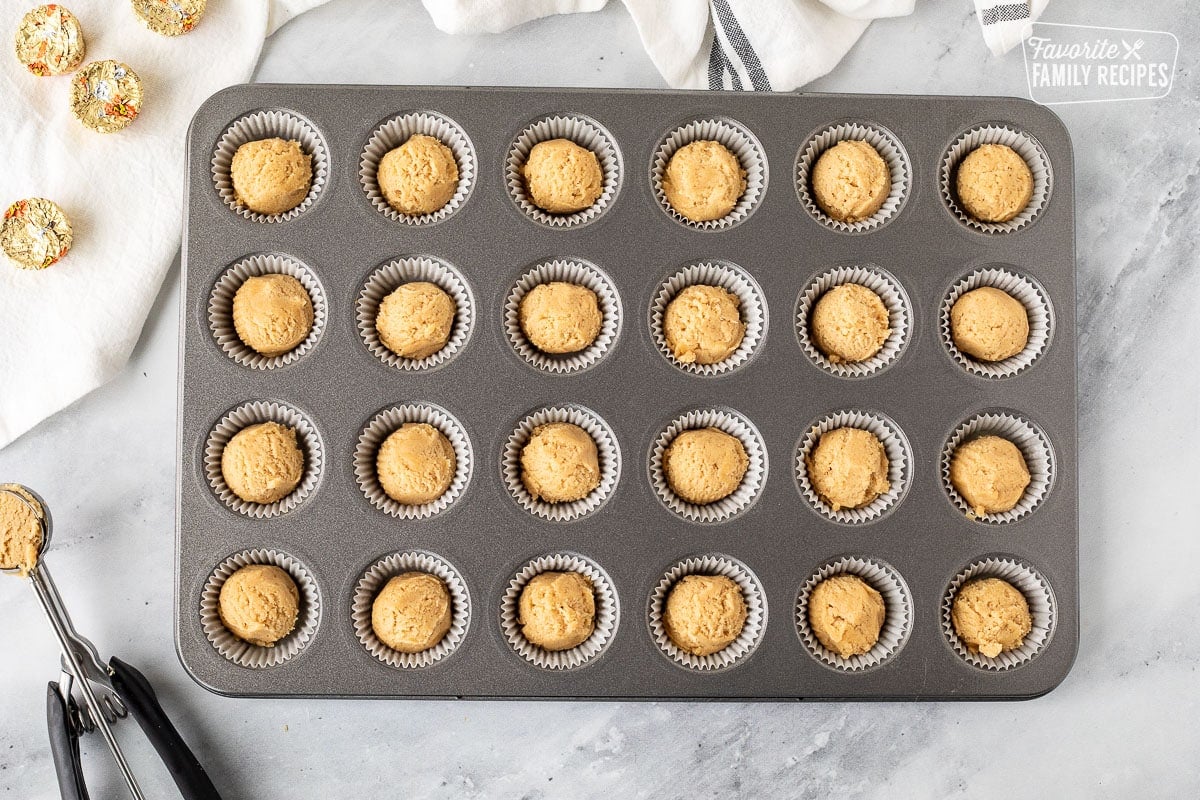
(1042, 611)
(897, 620)
(894, 298)
(733, 279)
(1035, 449)
(574, 271)
(1026, 146)
(384, 424)
(733, 423)
(267, 125)
(889, 148)
(608, 612)
(1037, 307)
(244, 653)
(397, 131)
(740, 141)
(220, 309)
(253, 413)
(376, 576)
(756, 612)
(390, 277)
(608, 456)
(895, 445)
(581, 130)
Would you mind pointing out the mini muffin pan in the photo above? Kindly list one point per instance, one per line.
(341, 537)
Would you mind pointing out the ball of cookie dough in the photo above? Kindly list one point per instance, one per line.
(704, 614)
(703, 324)
(272, 314)
(21, 518)
(849, 323)
(990, 474)
(560, 463)
(259, 604)
(412, 612)
(851, 181)
(418, 177)
(848, 468)
(557, 610)
(991, 616)
(262, 463)
(846, 614)
(415, 464)
(994, 183)
(560, 317)
(271, 176)
(705, 465)
(703, 181)
(989, 324)
(562, 177)
(415, 320)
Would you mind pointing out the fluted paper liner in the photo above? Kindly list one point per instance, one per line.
(889, 148)
(253, 413)
(1024, 290)
(894, 298)
(756, 612)
(376, 576)
(269, 124)
(390, 277)
(736, 425)
(608, 612)
(581, 130)
(895, 445)
(396, 132)
(608, 456)
(1026, 146)
(738, 139)
(751, 304)
(897, 620)
(244, 653)
(576, 271)
(220, 309)
(1042, 611)
(387, 422)
(1034, 447)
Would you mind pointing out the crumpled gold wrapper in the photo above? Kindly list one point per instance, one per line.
(50, 40)
(106, 95)
(35, 233)
(169, 17)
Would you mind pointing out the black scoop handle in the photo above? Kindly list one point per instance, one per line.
(64, 746)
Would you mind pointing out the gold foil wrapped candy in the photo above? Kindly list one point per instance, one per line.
(169, 17)
(49, 40)
(35, 233)
(106, 95)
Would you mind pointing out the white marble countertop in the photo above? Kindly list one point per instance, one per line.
(1123, 723)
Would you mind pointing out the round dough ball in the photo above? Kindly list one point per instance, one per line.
(415, 464)
(991, 616)
(557, 610)
(560, 317)
(704, 614)
(848, 468)
(703, 324)
(415, 320)
(851, 181)
(418, 177)
(271, 176)
(259, 604)
(989, 324)
(411, 613)
(562, 177)
(703, 181)
(272, 314)
(990, 473)
(846, 614)
(705, 465)
(994, 183)
(262, 463)
(560, 463)
(849, 323)
(20, 529)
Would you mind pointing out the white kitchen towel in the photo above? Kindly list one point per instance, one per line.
(1006, 23)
